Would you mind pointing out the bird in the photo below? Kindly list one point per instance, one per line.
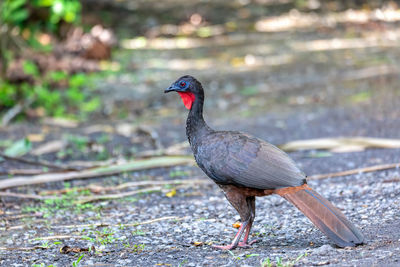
(246, 167)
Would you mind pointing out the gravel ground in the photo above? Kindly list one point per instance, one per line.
(313, 95)
(201, 214)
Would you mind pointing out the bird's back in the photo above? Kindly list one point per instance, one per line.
(236, 158)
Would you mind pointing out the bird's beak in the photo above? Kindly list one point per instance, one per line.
(174, 88)
(170, 89)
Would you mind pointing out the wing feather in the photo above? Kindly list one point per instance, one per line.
(247, 161)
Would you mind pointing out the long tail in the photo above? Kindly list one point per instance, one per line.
(323, 214)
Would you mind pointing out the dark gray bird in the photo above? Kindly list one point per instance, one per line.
(245, 167)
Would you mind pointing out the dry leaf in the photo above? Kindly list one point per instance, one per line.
(198, 243)
(171, 193)
(35, 137)
(61, 122)
(49, 147)
(68, 249)
(236, 225)
(98, 128)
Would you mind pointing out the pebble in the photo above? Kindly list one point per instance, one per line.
(323, 250)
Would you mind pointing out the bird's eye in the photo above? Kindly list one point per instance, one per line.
(182, 84)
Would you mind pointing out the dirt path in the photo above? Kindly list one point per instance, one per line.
(279, 86)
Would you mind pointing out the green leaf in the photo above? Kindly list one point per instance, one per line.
(7, 94)
(19, 148)
(30, 68)
(361, 97)
(57, 76)
(252, 255)
(14, 4)
(91, 105)
(249, 91)
(76, 263)
(320, 154)
(18, 16)
(77, 80)
(43, 3)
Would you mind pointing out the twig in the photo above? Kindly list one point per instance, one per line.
(55, 237)
(14, 111)
(355, 171)
(23, 226)
(158, 162)
(49, 147)
(23, 172)
(97, 188)
(167, 218)
(17, 195)
(20, 216)
(152, 221)
(11, 113)
(129, 193)
(119, 195)
(45, 195)
(38, 162)
(395, 180)
(23, 248)
(169, 182)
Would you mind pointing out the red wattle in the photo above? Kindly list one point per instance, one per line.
(187, 98)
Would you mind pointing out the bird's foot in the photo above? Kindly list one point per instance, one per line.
(247, 244)
(228, 247)
(240, 245)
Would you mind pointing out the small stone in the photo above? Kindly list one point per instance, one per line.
(323, 250)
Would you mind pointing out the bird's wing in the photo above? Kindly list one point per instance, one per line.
(240, 159)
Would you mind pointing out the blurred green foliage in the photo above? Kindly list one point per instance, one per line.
(74, 100)
(39, 14)
(57, 92)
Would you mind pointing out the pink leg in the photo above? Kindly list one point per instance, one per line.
(245, 243)
(235, 241)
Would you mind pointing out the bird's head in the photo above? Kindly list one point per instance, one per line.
(188, 88)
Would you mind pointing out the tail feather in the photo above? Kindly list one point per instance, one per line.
(324, 215)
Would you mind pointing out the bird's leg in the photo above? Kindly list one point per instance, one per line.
(235, 243)
(245, 207)
(251, 202)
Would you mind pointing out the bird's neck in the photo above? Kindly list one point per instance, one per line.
(195, 124)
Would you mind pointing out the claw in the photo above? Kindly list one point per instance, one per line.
(247, 244)
(228, 247)
(233, 246)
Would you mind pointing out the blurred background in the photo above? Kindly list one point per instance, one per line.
(268, 66)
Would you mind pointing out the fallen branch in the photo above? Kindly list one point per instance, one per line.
(45, 195)
(55, 237)
(38, 162)
(182, 184)
(355, 171)
(14, 111)
(137, 165)
(116, 196)
(27, 196)
(23, 172)
(167, 218)
(49, 147)
(20, 216)
(341, 144)
(168, 182)
(24, 248)
(97, 188)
